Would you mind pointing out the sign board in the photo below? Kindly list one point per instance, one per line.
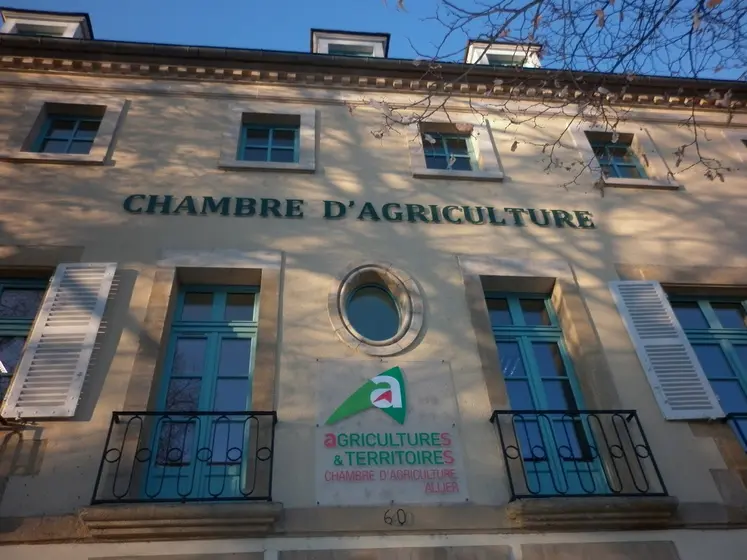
(387, 433)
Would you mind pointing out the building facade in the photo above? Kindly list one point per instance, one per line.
(239, 321)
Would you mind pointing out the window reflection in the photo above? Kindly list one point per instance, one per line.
(730, 315)
(498, 311)
(689, 315)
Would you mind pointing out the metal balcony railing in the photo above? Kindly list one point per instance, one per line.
(583, 453)
(187, 456)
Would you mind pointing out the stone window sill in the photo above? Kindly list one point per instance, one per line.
(592, 513)
(127, 522)
(70, 159)
(457, 175)
(640, 183)
(238, 165)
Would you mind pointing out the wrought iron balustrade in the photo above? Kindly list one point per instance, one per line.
(551, 453)
(181, 456)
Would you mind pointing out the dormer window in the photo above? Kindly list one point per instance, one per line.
(347, 43)
(32, 23)
(503, 54)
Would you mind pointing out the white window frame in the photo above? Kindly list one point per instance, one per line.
(72, 27)
(659, 176)
(321, 42)
(527, 55)
(483, 145)
(231, 135)
(28, 123)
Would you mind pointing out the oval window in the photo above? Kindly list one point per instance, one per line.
(372, 311)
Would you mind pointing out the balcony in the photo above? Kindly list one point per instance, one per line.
(187, 457)
(577, 454)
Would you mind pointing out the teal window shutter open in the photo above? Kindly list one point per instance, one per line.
(49, 378)
(676, 377)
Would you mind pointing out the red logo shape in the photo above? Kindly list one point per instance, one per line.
(386, 396)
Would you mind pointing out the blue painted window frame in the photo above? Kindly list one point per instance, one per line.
(726, 339)
(70, 137)
(615, 164)
(214, 331)
(440, 151)
(587, 463)
(17, 327)
(268, 146)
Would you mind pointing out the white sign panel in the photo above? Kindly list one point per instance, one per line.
(387, 433)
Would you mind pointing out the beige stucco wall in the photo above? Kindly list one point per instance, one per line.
(169, 143)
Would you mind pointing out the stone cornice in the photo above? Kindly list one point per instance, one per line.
(172, 62)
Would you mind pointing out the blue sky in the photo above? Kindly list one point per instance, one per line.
(273, 24)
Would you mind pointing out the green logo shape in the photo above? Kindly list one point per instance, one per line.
(386, 392)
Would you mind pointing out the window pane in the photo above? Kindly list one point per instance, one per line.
(713, 360)
(548, 358)
(4, 384)
(197, 306)
(80, 147)
(436, 162)
(176, 443)
(54, 147)
(183, 394)
(498, 311)
(257, 136)
(741, 351)
(10, 351)
(228, 441)
(462, 164)
(432, 143)
(535, 312)
(629, 172)
(255, 154)
(529, 435)
(373, 313)
(283, 156)
(730, 395)
(231, 395)
(730, 315)
(689, 315)
(621, 154)
(189, 356)
(512, 364)
(519, 394)
(60, 128)
(457, 146)
(559, 395)
(19, 303)
(87, 130)
(239, 307)
(284, 138)
(234, 356)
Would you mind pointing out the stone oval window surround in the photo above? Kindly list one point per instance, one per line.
(405, 295)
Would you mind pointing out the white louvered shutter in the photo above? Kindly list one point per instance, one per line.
(50, 375)
(671, 366)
